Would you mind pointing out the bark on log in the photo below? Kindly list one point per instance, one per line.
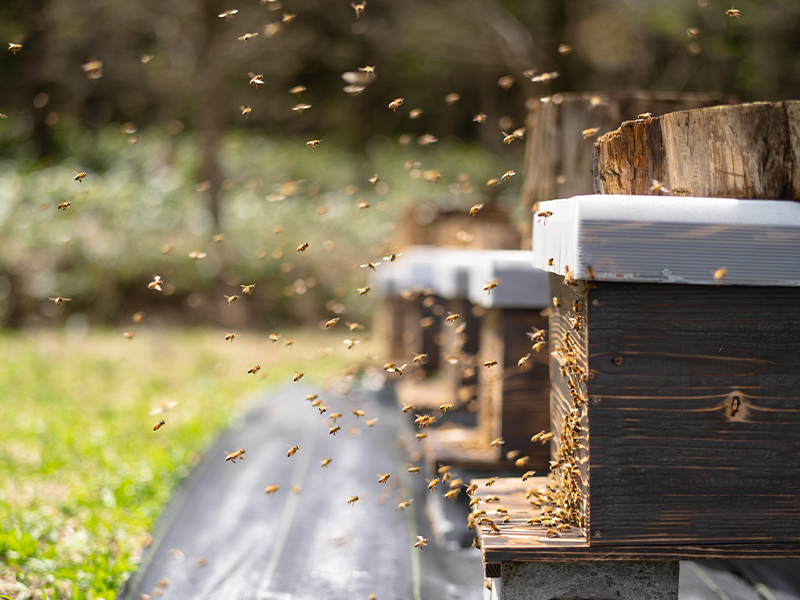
(747, 151)
(558, 162)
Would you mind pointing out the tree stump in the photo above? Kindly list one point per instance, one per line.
(747, 151)
(558, 162)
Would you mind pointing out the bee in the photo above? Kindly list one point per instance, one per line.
(234, 456)
(79, 175)
(65, 205)
(474, 210)
(354, 326)
(446, 407)
(544, 77)
(733, 12)
(359, 8)
(302, 247)
(247, 37)
(719, 274)
(453, 494)
(334, 430)
(292, 451)
(383, 478)
(146, 58)
(289, 342)
(325, 462)
(493, 182)
(522, 461)
(248, 289)
(166, 249)
(301, 108)
(645, 116)
(490, 363)
(14, 48)
(313, 144)
(472, 488)
(492, 525)
(405, 504)
(246, 110)
(414, 470)
(230, 336)
(543, 216)
(692, 32)
(256, 80)
(129, 334)
(550, 261)
(363, 291)
(231, 299)
(228, 14)
(564, 49)
(479, 118)
(497, 442)
(552, 533)
(363, 205)
(490, 285)
(159, 425)
(371, 422)
(432, 176)
(451, 99)
(271, 489)
(332, 323)
(523, 361)
(588, 133)
(507, 175)
(508, 137)
(59, 300)
(396, 103)
(351, 343)
(421, 543)
(543, 437)
(367, 70)
(492, 498)
(537, 334)
(195, 255)
(658, 187)
(415, 114)
(563, 527)
(254, 369)
(421, 436)
(399, 370)
(297, 90)
(528, 475)
(298, 376)
(287, 18)
(489, 482)
(427, 139)
(452, 317)
(352, 500)
(406, 407)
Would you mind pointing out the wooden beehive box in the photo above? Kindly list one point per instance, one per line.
(677, 322)
(514, 401)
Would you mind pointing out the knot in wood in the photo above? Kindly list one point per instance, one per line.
(618, 360)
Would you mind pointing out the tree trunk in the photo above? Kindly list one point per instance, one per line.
(559, 160)
(747, 151)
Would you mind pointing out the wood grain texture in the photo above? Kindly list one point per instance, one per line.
(695, 415)
(746, 151)
(555, 146)
(520, 542)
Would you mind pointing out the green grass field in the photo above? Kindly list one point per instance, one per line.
(83, 475)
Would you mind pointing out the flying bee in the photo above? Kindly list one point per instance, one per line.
(405, 504)
(383, 478)
(537, 335)
(354, 326)
(543, 216)
(396, 103)
(254, 369)
(588, 133)
(248, 289)
(432, 483)
(490, 363)
(399, 370)
(334, 430)
(493, 498)
(335, 416)
(292, 451)
(719, 274)
(313, 144)
(79, 175)
(474, 210)
(332, 323)
(159, 425)
(352, 500)
(231, 299)
(493, 182)
(229, 337)
(322, 409)
(325, 462)
(421, 436)
(446, 407)
(507, 175)
(351, 343)
(59, 300)
(479, 118)
(363, 291)
(129, 335)
(543, 437)
(371, 422)
(733, 12)
(415, 114)
(522, 461)
(544, 77)
(271, 489)
(453, 494)
(523, 361)
(692, 32)
(472, 488)
(452, 317)
(528, 475)
(490, 285)
(302, 247)
(359, 8)
(195, 255)
(301, 108)
(658, 187)
(297, 90)
(420, 358)
(508, 137)
(497, 442)
(421, 543)
(14, 48)
(407, 407)
(247, 37)
(363, 205)
(298, 376)
(414, 470)
(228, 14)
(256, 80)
(65, 205)
(367, 70)
(246, 110)
(234, 456)
(564, 49)
(490, 481)
(287, 18)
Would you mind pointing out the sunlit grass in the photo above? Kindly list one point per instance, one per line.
(84, 476)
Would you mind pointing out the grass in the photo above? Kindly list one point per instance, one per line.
(84, 476)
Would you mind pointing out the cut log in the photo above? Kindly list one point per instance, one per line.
(747, 151)
(558, 162)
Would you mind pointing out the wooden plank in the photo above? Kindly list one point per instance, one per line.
(695, 415)
(520, 542)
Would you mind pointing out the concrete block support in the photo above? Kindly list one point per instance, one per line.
(595, 580)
